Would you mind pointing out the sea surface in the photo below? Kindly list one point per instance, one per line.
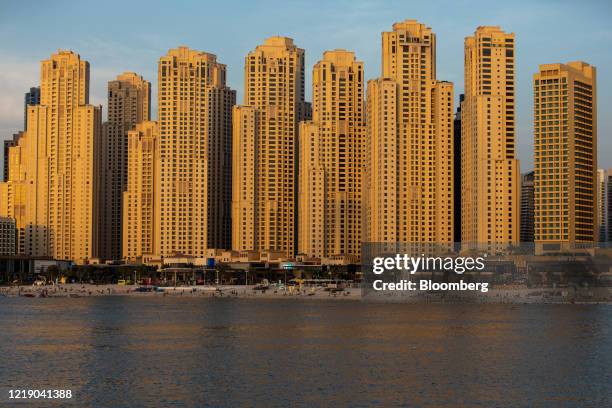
(170, 351)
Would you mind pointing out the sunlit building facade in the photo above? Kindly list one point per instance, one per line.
(142, 192)
(194, 122)
(54, 171)
(331, 160)
(408, 180)
(265, 134)
(129, 101)
(565, 153)
(490, 171)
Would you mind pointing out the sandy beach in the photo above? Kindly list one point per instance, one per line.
(223, 291)
(77, 290)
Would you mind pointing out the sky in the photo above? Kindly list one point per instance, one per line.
(117, 36)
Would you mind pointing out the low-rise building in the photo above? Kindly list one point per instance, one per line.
(7, 236)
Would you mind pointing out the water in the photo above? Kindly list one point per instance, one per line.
(161, 351)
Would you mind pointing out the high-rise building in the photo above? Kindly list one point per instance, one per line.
(264, 215)
(194, 122)
(608, 205)
(457, 172)
(408, 179)
(490, 171)
(142, 192)
(31, 98)
(54, 170)
(604, 178)
(8, 144)
(72, 129)
(565, 153)
(527, 207)
(129, 101)
(16, 188)
(22, 199)
(380, 187)
(331, 160)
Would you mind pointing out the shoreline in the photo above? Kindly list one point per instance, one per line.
(77, 290)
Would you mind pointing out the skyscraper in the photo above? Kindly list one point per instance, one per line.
(142, 192)
(608, 205)
(31, 98)
(194, 112)
(129, 101)
(490, 171)
(457, 172)
(565, 153)
(527, 207)
(331, 160)
(408, 180)
(8, 144)
(54, 169)
(264, 215)
(17, 187)
(380, 187)
(604, 177)
(72, 129)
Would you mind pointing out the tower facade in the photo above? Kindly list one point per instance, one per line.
(608, 205)
(72, 132)
(142, 192)
(31, 98)
(18, 186)
(129, 101)
(408, 190)
(264, 215)
(490, 171)
(565, 153)
(194, 122)
(527, 207)
(7, 145)
(331, 160)
(457, 172)
(380, 187)
(54, 171)
(604, 177)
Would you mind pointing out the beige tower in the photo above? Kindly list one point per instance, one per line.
(14, 192)
(194, 112)
(490, 173)
(331, 160)
(565, 153)
(55, 170)
(129, 100)
(244, 165)
(380, 187)
(142, 192)
(264, 212)
(408, 181)
(73, 133)
(24, 195)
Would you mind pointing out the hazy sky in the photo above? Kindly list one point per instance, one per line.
(116, 36)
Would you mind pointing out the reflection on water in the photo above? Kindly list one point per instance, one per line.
(154, 351)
